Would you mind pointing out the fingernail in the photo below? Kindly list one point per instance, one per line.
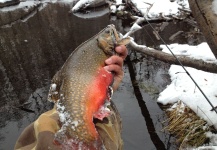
(106, 68)
(108, 61)
(118, 48)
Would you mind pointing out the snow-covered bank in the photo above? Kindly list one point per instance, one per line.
(182, 87)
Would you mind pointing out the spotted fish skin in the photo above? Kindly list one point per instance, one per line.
(80, 87)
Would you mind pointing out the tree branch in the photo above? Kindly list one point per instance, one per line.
(186, 61)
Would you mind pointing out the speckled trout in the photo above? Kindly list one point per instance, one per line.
(81, 88)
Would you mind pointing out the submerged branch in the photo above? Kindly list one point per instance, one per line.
(165, 57)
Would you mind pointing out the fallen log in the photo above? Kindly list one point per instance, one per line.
(168, 58)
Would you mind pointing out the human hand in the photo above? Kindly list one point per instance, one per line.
(115, 64)
(40, 134)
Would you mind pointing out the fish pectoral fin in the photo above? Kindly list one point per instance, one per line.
(109, 130)
(124, 41)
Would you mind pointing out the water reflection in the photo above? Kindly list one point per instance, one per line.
(144, 110)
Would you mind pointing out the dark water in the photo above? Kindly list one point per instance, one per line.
(34, 45)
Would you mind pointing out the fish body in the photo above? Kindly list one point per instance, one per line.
(80, 88)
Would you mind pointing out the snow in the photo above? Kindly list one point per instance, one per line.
(149, 8)
(53, 87)
(113, 8)
(158, 8)
(3, 1)
(201, 51)
(214, 6)
(182, 87)
(25, 5)
(65, 117)
(213, 137)
(86, 3)
(118, 2)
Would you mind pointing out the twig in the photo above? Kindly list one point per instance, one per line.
(172, 37)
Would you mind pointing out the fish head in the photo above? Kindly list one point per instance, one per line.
(109, 38)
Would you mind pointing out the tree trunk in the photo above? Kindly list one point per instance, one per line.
(207, 21)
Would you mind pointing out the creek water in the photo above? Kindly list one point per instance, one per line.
(33, 48)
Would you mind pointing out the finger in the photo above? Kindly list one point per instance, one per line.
(122, 51)
(114, 60)
(114, 68)
(118, 74)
